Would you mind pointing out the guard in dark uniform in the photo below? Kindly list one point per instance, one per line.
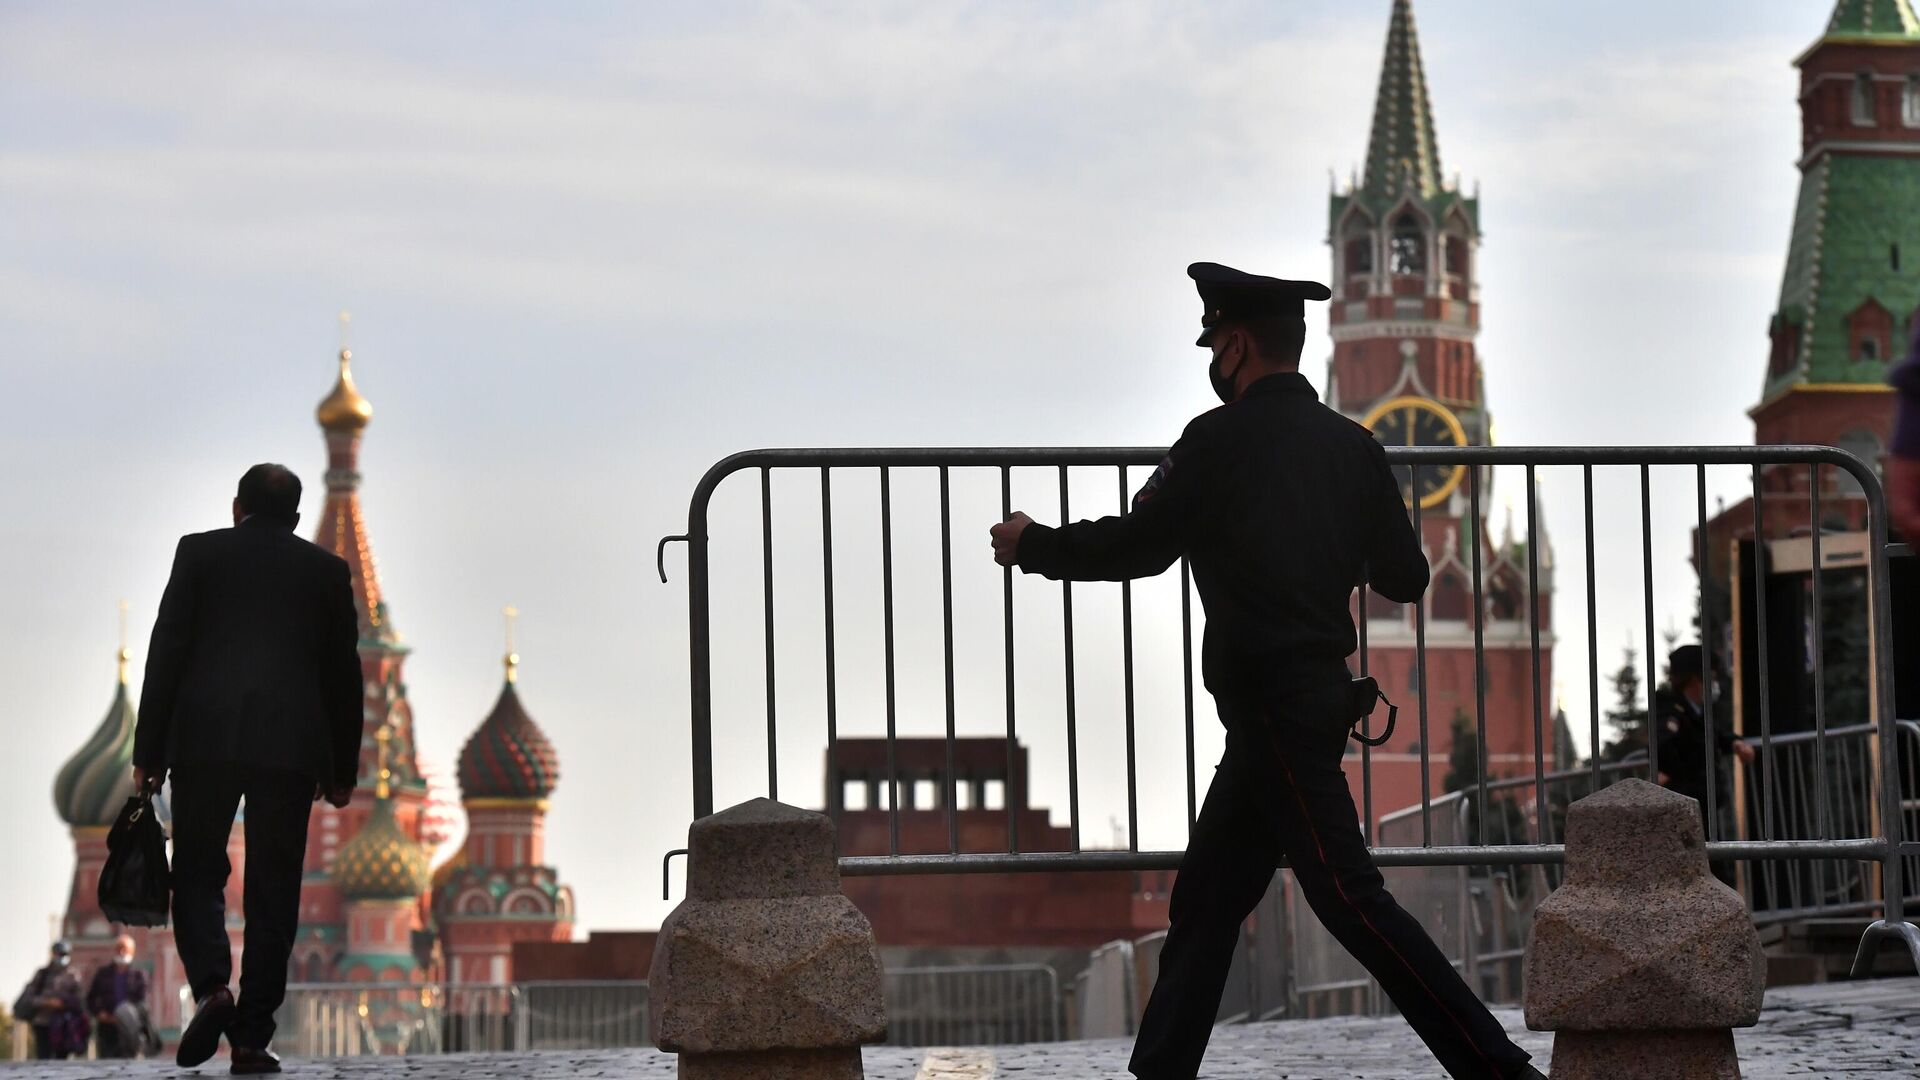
(1281, 507)
(1682, 739)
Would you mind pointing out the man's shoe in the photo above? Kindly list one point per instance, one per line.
(250, 1062)
(202, 1036)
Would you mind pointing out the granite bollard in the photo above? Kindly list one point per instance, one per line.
(766, 970)
(1642, 962)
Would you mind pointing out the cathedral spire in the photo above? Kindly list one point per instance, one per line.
(343, 416)
(1403, 153)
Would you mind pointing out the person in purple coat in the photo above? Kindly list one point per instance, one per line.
(117, 998)
(1903, 458)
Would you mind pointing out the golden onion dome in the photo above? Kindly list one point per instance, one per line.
(382, 862)
(344, 409)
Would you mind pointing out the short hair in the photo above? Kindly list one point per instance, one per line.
(125, 939)
(270, 491)
(1280, 338)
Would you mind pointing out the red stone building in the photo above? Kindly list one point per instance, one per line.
(1028, 911)
(1405, 318)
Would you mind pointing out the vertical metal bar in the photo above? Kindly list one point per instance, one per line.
(1006, 605)
(1593, 639)
(1366, 752)
(1126, 678)
(1879, 600)
(1073, 723)
(1819, 667)
(1708, 654)
(1420, 668)
(1767, 794)
(1479, 653)
(886, 601)
(948, 783)
(700, 663)
(1186, 665)
(836, 792)
(1542, 819)
(1646, 576)
(766, 578)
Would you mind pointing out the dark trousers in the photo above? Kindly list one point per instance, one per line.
(205, 799)
(1279, 792)
(43, 1042)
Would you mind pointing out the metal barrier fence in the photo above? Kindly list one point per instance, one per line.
(355, 1019)
(1877, 838)
(987, 1005)
(983, 1005)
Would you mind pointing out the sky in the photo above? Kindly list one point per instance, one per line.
(592, 248)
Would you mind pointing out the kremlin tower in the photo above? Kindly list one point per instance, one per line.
(1405, 318)
(498, 890)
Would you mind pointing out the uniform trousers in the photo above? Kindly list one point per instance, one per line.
(278, 806)
(1279, 793)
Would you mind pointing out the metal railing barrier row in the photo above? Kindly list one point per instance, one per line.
(1826, 789)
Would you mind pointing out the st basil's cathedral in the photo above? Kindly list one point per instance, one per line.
(414, 881)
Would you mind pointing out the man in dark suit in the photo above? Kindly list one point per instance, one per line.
(252, 692)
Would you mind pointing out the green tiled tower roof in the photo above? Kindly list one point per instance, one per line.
(98, 778)
(1854, 19)
(1854, 211)
(1403, 150)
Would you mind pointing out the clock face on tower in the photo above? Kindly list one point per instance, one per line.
(1418, 421)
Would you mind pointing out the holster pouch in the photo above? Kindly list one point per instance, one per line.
(1366, 691)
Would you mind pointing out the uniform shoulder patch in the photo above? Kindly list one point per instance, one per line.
(1152, 486)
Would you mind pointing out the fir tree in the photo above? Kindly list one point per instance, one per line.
(1628, 717)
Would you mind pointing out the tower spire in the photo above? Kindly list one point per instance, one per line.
(512, 658)
(1403, 153)
(124, 654)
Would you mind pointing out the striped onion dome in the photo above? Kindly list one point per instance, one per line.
(98, 779)
(508, 756)
(381, 862)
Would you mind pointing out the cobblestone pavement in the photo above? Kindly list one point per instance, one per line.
(1853, 1031)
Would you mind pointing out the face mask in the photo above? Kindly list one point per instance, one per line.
(1222, 382)
(122, 959)
(62, 961)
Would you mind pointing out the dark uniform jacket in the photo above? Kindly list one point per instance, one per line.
(1281, 506)
(254, 659)
(1683, 756)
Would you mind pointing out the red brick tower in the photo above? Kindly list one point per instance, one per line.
(1852, 279)
(498, 890)
(321, 945)
(1405, 316)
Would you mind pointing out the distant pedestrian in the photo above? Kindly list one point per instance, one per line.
(117, 999)
(53, 1007)
(1683, 740)
(1903, 459)
(1281, 506)
(253, 692)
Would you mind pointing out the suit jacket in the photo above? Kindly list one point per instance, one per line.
(255, 658)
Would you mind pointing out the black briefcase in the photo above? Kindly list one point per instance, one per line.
(134, 886)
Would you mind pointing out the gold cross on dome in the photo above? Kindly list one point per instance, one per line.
(512, 658)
